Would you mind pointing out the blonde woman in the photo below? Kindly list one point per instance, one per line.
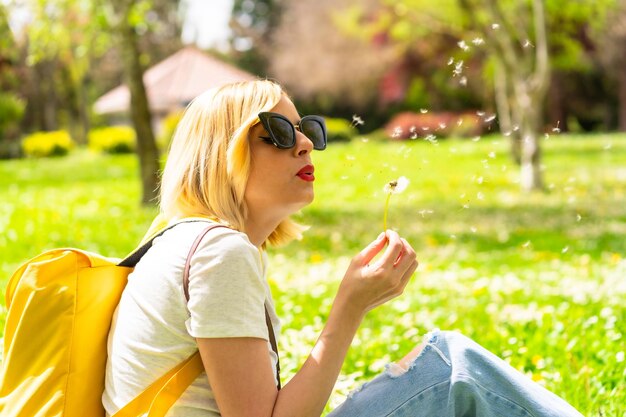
(242, 156)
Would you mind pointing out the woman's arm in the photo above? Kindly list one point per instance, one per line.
(240, 370)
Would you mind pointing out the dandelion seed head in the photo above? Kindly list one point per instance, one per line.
(396, 186)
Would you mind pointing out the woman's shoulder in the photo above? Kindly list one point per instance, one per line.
(221, 239)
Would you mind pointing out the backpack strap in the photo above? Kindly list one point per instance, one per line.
(268, 321)
(159, 397)
(133, 258)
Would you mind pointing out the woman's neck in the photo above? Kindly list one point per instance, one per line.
(259, 228)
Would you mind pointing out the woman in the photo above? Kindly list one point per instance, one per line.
(237, 159)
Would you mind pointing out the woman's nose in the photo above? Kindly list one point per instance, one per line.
(304, 145)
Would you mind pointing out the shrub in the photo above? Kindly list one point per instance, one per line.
(339, 130)
(113, 140)
(42, 144)
(168, 127)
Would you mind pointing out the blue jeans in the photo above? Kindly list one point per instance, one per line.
(453, 376)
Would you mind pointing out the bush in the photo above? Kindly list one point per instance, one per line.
(168, 127)
(113, 140)
(42, 144)
(339, 130)
(409, 125)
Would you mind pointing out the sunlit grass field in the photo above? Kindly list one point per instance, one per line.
(539, 279)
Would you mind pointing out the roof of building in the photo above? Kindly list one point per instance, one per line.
(175, 81)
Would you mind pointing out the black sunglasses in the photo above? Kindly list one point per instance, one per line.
(282, 133)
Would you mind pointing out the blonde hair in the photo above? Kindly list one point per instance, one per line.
(209, 159)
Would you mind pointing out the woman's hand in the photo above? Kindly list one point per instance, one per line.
(366, 285)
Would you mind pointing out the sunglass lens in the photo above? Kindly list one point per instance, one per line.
(282, 131)
(314, 130)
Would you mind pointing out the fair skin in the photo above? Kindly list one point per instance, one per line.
(239, 369)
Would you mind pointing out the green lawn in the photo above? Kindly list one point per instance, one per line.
(538, 279)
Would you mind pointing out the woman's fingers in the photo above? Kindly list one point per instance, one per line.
(393, 251)
(367, 254)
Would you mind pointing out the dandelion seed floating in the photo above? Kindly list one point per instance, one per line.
(356, 120)
(463, 45)
(478, 41)
(393, 187)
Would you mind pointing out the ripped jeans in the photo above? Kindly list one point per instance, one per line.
(453, 376)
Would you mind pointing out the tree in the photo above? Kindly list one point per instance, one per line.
(253, 23)
(327, 68)
(520, 49)
(11, 106)
(124, 18)
(613, 54)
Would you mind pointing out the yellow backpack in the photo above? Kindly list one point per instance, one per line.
(60, 306)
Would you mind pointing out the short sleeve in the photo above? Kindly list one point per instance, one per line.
(226, 290)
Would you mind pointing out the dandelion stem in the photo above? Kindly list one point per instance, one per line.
(386, 210)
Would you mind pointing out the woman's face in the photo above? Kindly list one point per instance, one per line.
(281, 180)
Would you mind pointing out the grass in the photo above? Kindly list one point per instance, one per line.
(538, 279)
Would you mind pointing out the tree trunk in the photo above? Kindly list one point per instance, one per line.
(530, 152)
(47, 94)
(622, 94)
(140, 113)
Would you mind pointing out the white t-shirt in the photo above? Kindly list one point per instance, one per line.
(154, 328)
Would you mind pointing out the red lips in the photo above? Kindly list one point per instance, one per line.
(306, 173)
